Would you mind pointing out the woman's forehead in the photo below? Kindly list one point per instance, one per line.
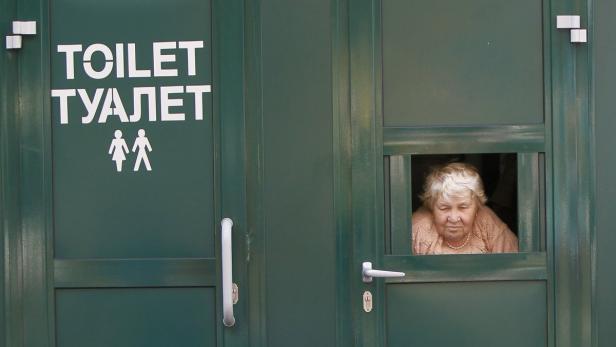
(457, 198)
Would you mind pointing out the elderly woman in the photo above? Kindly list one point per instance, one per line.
(454, 218)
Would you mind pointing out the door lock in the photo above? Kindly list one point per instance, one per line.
(367, 300)
(235, 293)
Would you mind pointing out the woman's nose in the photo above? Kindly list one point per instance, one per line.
(453, 218)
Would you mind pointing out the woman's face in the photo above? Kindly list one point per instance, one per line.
(454, 216)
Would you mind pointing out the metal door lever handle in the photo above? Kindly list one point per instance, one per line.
(227, 273)
(367, 272)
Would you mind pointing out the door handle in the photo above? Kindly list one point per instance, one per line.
(227, 273)
(367, 272)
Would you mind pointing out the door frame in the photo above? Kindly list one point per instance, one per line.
(570, 161)
(10, 251)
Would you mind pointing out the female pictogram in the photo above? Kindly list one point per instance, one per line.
(118, 149)
(141, 143)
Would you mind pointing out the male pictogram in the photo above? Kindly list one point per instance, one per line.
(141, 144)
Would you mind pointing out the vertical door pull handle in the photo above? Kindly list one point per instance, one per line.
(227, 273)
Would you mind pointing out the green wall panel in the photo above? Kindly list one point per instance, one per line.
(9, 217)
(448, 62)
(4, 96)
(298, 165)
(143, 317)
(504, 314)
(166, 212)
(605, 126)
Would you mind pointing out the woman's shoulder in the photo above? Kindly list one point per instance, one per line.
(498, 236)
(487, 218)
(423, 225)
(424, 234)
(422, 218)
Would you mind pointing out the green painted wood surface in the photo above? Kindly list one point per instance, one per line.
(479, 139)
(345, 269)
(446, 64)
(229, 42)
(35, 187)
(460, 268)
(168, 212)
(530, 187)
(35, 183)
(572, 161)
(93, 273)
(400, 204)
(10, 307)
(507, 314)
(606, 284)
(605, 142)
(255, 242)
(146, 317)
(366, 160)
(368, 96)
(299, 226)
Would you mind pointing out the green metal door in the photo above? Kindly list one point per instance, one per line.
(135, 155)
(483, 82)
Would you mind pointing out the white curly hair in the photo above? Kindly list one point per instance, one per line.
(452, 180)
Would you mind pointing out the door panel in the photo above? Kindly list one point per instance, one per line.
(450, 64)
(136, 317)
(102, 213)
(299, 276)
(467, 314)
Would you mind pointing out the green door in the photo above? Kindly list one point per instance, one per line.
(137, 142)
(487, 83)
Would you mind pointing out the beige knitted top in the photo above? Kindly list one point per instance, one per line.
(489, 235)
